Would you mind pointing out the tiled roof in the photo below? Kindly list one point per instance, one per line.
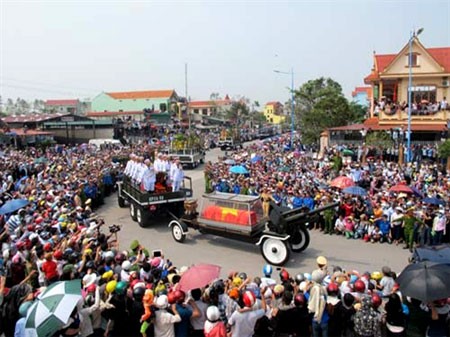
(367, 90)
(32, 118)
(112, 113)
(141, 94)
(70, 102)
(442, 56)
(273, 103)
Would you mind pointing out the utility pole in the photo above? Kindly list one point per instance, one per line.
(186, 93)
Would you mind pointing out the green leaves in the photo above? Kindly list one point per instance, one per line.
(320, 104)
(444, 149)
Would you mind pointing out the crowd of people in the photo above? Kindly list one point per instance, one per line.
(422, 107)
(56, 236)
(293, 179)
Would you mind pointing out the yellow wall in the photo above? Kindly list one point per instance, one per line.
(271, 117)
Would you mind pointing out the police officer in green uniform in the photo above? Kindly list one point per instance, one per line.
(409, 223)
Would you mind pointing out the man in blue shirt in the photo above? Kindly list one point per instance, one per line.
(385, 228)
(185, 312)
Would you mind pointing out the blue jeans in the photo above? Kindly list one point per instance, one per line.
(319, 329)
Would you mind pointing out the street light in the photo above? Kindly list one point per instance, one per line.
(292, 102)
(411, 39)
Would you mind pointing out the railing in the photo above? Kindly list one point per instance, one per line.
(402, 115)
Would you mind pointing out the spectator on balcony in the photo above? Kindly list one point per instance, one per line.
(444, 104)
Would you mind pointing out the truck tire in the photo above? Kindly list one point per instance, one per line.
(133, 211)
(299, 239)
(121, 201)
(177, 232)
(275, 251)
(142, 217)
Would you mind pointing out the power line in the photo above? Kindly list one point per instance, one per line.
(31, 88)
(47, 84)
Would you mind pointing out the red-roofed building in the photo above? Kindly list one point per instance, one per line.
(128, 102)
(362, 95)
(209, 108)
(70, 106)
(388, 80)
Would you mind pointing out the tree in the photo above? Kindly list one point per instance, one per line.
(444, 152)
(238, 110)
(358, 112)
(379, 138)
(214, 96)
(320, 104)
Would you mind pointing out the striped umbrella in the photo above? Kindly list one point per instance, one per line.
(355, 190)
(52, 310)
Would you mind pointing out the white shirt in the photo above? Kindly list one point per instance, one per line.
(244, 323)
(164, 323)
(178, 174)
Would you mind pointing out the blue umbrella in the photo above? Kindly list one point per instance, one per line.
(256, 159)
(238, 169)
(416, 192)
(13, 205)
(355, 190)
(17, 184)
(433, 201)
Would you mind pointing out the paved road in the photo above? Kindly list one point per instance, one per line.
(233, 255)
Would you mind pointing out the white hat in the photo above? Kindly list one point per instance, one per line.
(162, 302)
(89, 279)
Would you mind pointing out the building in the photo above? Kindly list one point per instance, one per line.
(388, 80)
(70, 106)
(362, 96)
(273, 111)
(201, 110)
(133, 103)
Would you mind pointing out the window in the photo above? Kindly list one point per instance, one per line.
(414, 59)
(204, 112)
(163, 107)
(196, 111)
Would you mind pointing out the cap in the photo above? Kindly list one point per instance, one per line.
(322, 260)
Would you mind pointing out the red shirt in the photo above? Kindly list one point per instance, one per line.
(50, 269)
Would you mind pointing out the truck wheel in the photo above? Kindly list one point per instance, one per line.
(142, 217)
(121, 202)
(299, 239)
(177, 232)
(133, 211)
(275, 251)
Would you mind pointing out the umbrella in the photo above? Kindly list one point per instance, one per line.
(285, 169)
(13, 205)
(230, 161)
(426, 281)
(416, 191)
(256, 159)
(199, 276)
(238, 169)
(17, 184)
(434, 201)
(53, 308)
(348, 152)
(342, 182)
(355, 190)
(40, 160)
(400, 188)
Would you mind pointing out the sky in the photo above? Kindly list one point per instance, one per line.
(77, 49)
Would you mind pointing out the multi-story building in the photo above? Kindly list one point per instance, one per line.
(429, 113)
(362, 96)
(200, 110)
(133, 103)
(63, 106)
(273, 111)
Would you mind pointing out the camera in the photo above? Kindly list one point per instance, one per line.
(114, 229)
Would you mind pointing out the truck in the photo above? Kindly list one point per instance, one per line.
(189, 158)
(146, 205)
(229, 143)
(240, 217)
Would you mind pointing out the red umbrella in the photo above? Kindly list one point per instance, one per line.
(199, 276)
(342, 182)
(400, 188)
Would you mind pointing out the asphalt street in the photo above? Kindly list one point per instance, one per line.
(238, 256)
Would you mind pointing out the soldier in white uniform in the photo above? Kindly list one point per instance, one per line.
(159, 164)
(130, 163)
(178, 176)
(149, 177)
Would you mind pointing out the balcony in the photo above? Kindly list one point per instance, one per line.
(402, 115)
